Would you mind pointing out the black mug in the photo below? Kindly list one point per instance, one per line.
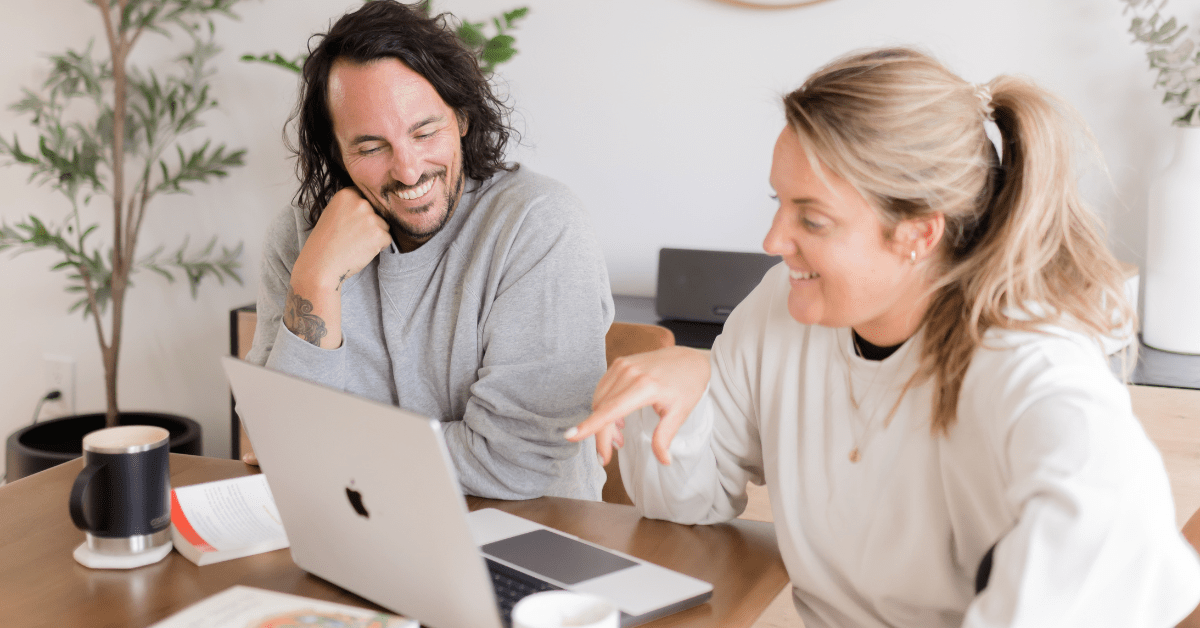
(122, 498)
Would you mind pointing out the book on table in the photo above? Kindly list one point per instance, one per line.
(249, 607)
(226, 519)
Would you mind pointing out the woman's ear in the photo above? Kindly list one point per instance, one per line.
(920, 236)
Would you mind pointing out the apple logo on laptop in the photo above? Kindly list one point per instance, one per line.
(356, 501)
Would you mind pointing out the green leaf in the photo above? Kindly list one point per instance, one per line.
(511, 17)
(498, 50)
(75, 74)
(294, 65)
(503, 41)
(20, 155)
(1166, 28)
(164, 272)
(1191, 117)
(56, 160)
(471, 35)
(199, 265)
(30, 103)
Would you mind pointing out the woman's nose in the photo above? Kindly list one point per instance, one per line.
(776, 241)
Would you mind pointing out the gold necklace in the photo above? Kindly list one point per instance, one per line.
(860, 440)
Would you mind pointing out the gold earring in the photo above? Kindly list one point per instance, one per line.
(912, 257)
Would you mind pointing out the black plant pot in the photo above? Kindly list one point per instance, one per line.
(50, 443)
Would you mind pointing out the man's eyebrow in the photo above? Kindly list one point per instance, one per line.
(363, 139)
(429, 120)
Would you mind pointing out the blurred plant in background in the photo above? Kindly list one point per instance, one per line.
(1173, 55)
(107, 128)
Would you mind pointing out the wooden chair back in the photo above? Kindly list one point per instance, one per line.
(627, 339)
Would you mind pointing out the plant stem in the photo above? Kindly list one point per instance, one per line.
(110, 352)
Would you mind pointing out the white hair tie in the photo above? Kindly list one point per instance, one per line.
(984, 94)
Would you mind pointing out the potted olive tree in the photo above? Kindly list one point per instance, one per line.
(107, 137)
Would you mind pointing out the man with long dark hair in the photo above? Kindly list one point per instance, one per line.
(419, 269)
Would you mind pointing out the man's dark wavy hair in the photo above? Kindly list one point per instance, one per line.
(382, 29)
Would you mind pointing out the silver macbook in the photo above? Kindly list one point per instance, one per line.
(370, 501)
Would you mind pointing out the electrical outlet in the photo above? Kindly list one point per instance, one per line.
(60, 376)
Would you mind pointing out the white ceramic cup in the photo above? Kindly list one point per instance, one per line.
(565, 609)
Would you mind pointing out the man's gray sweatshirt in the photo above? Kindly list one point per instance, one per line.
(495, 326)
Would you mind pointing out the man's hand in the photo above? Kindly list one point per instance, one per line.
(347, 236)
(245, 448)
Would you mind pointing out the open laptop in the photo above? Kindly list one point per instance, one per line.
(371, 502)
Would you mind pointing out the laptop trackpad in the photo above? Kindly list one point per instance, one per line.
(556, 557)
(640, 589)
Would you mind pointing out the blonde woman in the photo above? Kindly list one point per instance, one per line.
(921, 383)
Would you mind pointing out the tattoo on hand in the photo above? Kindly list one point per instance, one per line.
(298, 318)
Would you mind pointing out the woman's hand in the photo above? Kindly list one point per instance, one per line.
(670, 380)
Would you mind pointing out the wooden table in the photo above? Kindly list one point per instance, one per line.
(42, 585)
(1171, 418)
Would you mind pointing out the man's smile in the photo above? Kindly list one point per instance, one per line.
(416, 192)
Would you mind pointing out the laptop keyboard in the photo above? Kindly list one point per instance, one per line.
(512, 585)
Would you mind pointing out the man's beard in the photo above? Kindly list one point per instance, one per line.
(398, 229)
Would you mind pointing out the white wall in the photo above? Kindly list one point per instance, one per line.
(660, 114)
